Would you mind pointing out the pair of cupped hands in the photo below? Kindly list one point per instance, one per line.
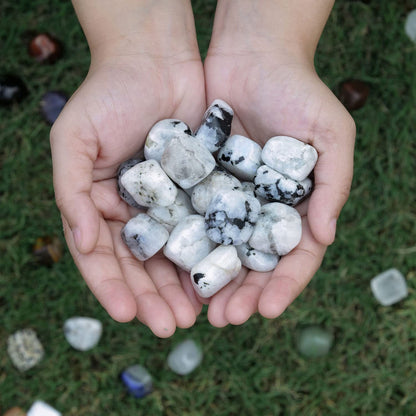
(272, 90)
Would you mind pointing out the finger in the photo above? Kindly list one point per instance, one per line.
(72, 176)
(333, 176)
(292, 274)
(103, 276)
(152, 309)
(165, 278)
(218, 303)
(185, 279)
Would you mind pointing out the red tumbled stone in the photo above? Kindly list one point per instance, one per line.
(45, 48)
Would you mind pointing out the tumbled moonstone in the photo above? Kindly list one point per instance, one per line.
(170, 216)
(144, 236)
(241, 156)
(186, 161)
(122, 169)
(137, 381)
(188, 242)
(276, 187)
(25, 349)
(410, 25)
(230, 217)
(215, 271)
(149, 185)
(185, 357)
(289, 156)
(255, 259)
(389, 287)
(40, 408)
(82, 333)
(161, 134)
(278, 229)
(216, 125)
(249, 188)
(205, 190)
(314, 341)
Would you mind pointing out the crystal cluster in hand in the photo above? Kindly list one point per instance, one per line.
(215, 202)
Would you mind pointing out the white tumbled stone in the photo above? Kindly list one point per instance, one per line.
(82, 333)
(276, 187)
(215, 271)
(149, 185)
(170, 216)
(186, 161)
(122, 169)
(278, 229)
(255, 259)
(161, 134)
(249, 188)
(40, 408)
(144, 236)
(205, 190)
(389, 287)
(188, 242)
(241, 156)
(410, 26)
(185, 357)
(216, 125)
(289, 156)
(230, 217)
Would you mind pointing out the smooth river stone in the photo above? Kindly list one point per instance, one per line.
(185, 357)
(215, 271)
(149, 185)
(40, 408)
(161, 134)
(188, 243)
(205, 190)
(216, 125)
(289, 156)
(186, 161)
(276, 187)
(25, 349)
(82, 333)
(122, 169)
(230, 217)
(241, 156)
(278, 229)
(389, 287)
(144, 236)
(255, 259)
(170, 216)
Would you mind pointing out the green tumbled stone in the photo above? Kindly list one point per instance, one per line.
(314, 341)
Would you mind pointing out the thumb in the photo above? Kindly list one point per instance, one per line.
(73, 160)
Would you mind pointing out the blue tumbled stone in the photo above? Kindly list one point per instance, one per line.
(137, 380)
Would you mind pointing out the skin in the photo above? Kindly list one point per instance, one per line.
(145, 66)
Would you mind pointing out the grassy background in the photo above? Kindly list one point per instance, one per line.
(253, 369)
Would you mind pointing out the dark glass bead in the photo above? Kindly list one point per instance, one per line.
(47, 250)
(51, 105)
(12, 88)
(45, 48)
(353, 93)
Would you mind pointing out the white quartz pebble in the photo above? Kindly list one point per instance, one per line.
(40, 408)
(255, 259)
(25, 349)
(149, 185)
(278, 229)
(186, 161)
(389, 287)
(185, 357)
(241, 156)
(276, 187)
(410, 25)
(230, 217)
(289, 156)
(216, 125)
(215, 271)
(216, 181)
(144, 236)
(249, 188)
(169, 216)
(188, 242)
(82, 333)
(160, 135)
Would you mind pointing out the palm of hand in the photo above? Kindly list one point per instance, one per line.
(272, 97)
(105, 123)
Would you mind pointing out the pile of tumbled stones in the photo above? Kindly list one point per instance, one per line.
(215, 202)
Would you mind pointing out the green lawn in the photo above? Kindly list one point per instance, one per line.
(253, 369)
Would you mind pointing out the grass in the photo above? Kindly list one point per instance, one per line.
(253, 369)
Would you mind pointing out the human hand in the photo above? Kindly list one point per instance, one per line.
(134, 81)
(271, 84)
